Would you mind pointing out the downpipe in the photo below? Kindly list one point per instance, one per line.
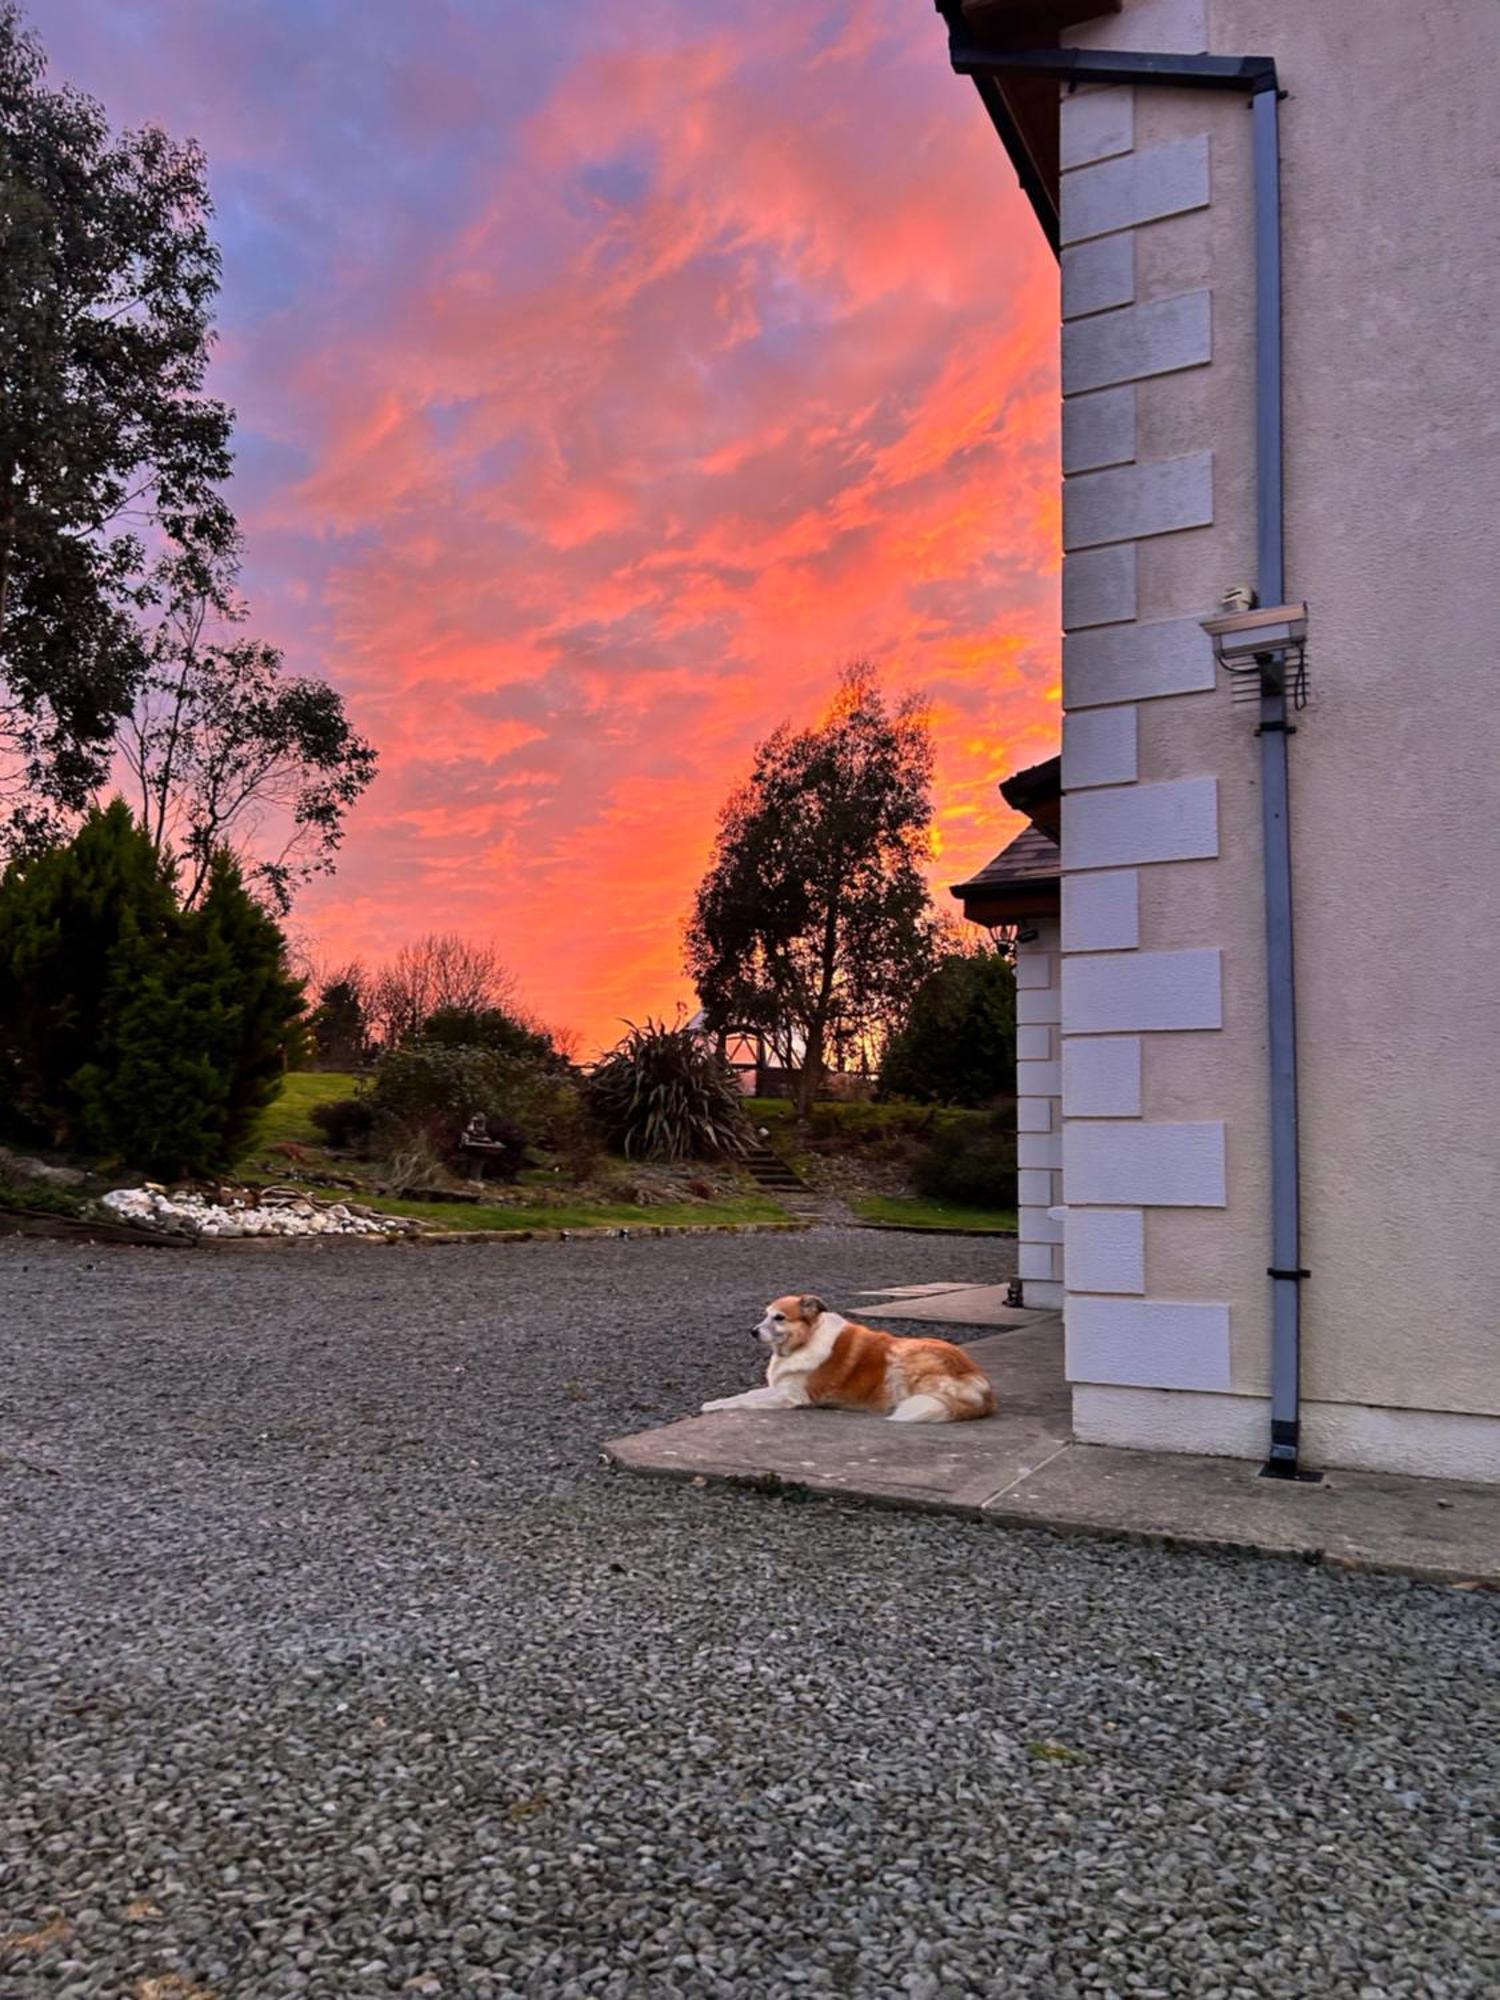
(1285, 1269)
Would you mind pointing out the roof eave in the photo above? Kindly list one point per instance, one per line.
(1019, 130)
(1041, 897)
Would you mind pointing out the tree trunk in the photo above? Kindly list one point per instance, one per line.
(813, 1059)
(810, 1074)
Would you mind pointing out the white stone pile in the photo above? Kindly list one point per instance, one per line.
(272, 1213)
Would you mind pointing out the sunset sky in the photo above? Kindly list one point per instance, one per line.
(607, 376)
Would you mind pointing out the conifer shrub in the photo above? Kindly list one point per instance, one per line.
(132, 1029)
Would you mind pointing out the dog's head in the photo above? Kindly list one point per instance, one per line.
(790, 1322)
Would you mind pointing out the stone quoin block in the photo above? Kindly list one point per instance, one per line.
(1098, 586)
(1125, 346)
(1101, 1076)
(1177, 820)
(1136, 662)
(1034, 1043)
(1098, 430)
(1033, 967)
(1039, 1004)
(1038, 1079)
(1035, 1114)
(1101, 912)
(1035, 1187)
(1161, 497)
(1142, 992)
(1123, 1164)
(1147, 1343)
(1036, 1260)
(1095, 125)
(1099, 748)
(1104, 1249)
(1039, 1149)
(1098, 276)
(1135, 188)
(1038, 1225)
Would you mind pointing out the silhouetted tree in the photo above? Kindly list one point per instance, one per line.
(339, 1026)
(814, 918)
(504, 1029)
(68, 915)
(107, 285)
(231, 753)
(118, 552)
(439, 971)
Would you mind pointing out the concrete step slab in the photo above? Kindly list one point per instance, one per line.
(1020, 1468)
(1446, 1531)
(916, 1291)
(968, 1305)
(958, 1466)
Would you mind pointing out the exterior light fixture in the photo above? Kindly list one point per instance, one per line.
(1262, 648)
(1007, 936)
(1243, 639)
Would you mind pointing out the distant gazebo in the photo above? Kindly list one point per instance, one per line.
(743, 1050)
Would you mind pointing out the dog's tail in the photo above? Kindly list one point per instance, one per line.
(969, 1394)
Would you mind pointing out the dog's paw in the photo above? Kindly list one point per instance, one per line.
(719, 1403)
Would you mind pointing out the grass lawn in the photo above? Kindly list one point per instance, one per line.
(914, 1212)
(571, 1215)
(289, 1118)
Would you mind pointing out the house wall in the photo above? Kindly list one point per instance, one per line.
(1391, 254)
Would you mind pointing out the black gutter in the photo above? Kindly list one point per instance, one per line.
(1245, 73)
(1255, 76)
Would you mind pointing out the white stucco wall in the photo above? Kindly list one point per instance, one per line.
(1391, 217)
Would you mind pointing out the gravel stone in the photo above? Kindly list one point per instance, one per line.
(337, 1664)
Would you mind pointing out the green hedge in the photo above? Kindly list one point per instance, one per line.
(972, 1162)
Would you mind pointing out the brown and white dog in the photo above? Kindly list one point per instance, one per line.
(821, 1359)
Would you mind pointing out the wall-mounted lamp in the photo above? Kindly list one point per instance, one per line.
(1007, 936)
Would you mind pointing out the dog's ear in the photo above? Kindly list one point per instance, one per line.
(812, 1306)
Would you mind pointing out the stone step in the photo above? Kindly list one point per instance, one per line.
(768, 1170)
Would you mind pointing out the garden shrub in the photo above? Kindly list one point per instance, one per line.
(957, 1044)
(495, 1028)
(664, 1094)
(345, 1122)
(424, 1094)
(889, 1129)
(971, 1162)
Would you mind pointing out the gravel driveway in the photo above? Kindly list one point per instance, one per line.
(337, 1664)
